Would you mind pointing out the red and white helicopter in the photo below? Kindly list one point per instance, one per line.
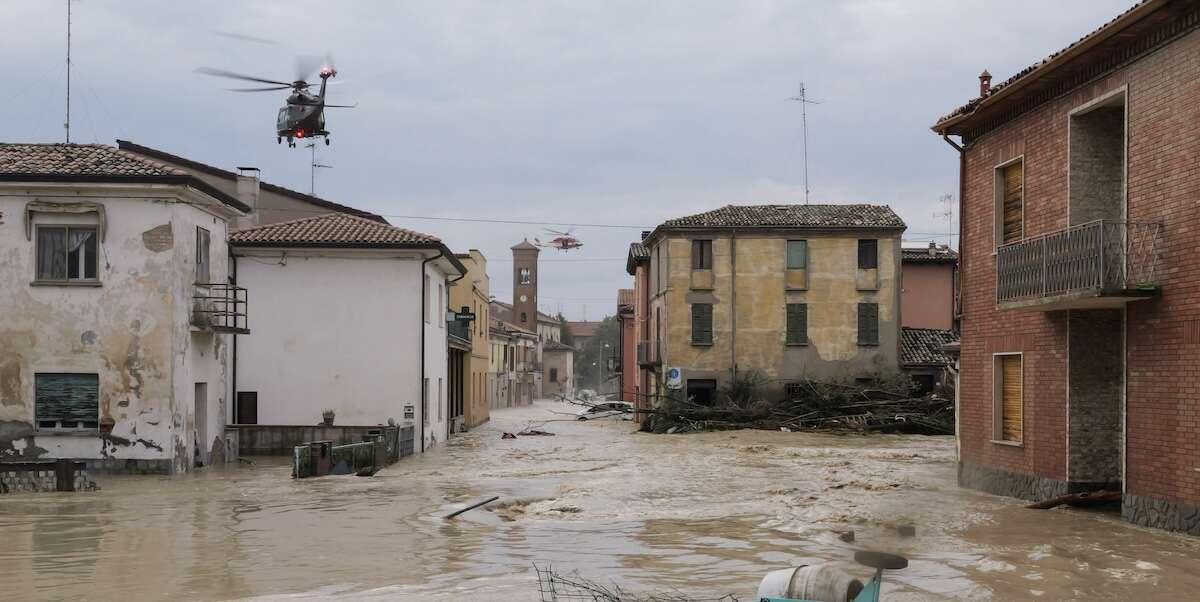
(563, 241)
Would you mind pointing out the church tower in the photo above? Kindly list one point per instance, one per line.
(525, 277)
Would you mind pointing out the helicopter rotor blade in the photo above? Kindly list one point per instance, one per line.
(269, 89)
(307, 65)
(232, 75)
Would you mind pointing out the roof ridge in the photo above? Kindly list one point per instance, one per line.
(289, 222)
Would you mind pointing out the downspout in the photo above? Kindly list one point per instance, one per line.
(962, 187)
(733, 300)
(421, 374)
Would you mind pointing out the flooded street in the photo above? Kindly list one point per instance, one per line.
(706, 514)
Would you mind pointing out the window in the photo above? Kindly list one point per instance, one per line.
(868, 254)
(1008, 397)
(247, 407)
(66, 401)
(525, 276)
(66, 253)
(702, 258)
(425, 403)
(554, 375)
(797, 254)
(440, 400)
(1010, 202)
(702, 391)
(702, 328)
(442, 305)
(203, 273)
(427, 304)
(524, 318)
(868, 324)
(797, 324)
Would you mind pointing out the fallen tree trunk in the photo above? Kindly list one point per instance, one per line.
(1086, 498)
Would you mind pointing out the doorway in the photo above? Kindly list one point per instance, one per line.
(200, 416)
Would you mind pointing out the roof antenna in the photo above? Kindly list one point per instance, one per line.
(67, 124)
(313, 167)
(946, 212)
(803, 99)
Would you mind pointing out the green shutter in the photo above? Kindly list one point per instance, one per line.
(797, 254)
(868, 324)
(69, 399)
(702, 333)
(797, 324)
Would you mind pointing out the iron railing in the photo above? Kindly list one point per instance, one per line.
(649, 353)
(220, 308)
(1101, 256)
(460, 329)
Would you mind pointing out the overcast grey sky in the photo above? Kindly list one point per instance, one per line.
(621, 113)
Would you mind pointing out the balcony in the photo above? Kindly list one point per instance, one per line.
(649, 353)
(460, 330)
(1100, 264)
(220, 308)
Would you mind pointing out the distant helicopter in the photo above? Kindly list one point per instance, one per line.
(563, 241)
(304, 115)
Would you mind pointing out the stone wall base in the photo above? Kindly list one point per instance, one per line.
(1163, 514)
(1009, 484)
(128, 466)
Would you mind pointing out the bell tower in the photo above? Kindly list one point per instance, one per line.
(525, 257)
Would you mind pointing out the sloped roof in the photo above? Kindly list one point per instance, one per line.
(923, 346)
(553, 345)
(331, 229)
(154, 153)
(1130, 24)
(790, 216)
(638, 253)
(625, 297)
(95, 163)
(939, 254)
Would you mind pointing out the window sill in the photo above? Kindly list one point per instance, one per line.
(67, 433)
(799, 289)
(83, 283)
(868, 344)
(695, 344)
(795, 344)
(1008, 443)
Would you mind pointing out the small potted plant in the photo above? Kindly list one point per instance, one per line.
(327, 417)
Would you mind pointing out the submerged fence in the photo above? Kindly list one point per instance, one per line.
(379, 449)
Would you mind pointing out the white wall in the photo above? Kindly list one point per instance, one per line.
(133, 330)
(436, 363)
(340, 330)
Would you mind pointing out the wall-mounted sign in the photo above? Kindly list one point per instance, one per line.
(466, 315)
(409, 412)
(674, 378)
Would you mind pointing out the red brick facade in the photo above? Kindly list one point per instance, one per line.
(1162, 349)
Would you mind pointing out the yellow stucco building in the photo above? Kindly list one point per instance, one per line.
(473, 292)
(790, 291)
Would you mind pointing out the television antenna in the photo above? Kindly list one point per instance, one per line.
(313, 167)
(945, 212)
(804, 100)
(67, 123)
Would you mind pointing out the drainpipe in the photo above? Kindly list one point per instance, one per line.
(962, 188)
(733, 300)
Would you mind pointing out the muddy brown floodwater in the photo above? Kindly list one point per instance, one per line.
(706, 514)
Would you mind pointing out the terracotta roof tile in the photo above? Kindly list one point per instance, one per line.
(939, 254)
(799, 216)
(331, 229)
(78, 160)
(625, 297)
(582, 329)
(923, 346)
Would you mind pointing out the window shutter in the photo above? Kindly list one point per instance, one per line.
(797, 324)
(1012, 397)
(1014, 203)
(69, 399)
(797, 254)
(868, 254)
(868, 324)
(702, 324)
(697, 255)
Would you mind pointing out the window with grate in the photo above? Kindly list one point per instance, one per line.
(66, 401)
(868, 324)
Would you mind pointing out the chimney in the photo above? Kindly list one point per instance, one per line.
(247, 192)
(932, 248)
(985, 83)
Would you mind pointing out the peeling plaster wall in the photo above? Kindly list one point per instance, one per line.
(132, 330)
(832, 295)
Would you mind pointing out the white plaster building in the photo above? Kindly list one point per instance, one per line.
(357, 325)
(114, 310)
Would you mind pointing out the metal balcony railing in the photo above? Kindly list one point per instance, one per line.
(220, 307)
(1101, 257)
(649, 353)
(459, 329)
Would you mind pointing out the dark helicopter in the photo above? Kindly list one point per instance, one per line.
(304, 115)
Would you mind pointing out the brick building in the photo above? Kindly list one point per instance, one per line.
(1080, 185)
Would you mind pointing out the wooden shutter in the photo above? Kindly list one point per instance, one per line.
(797, 324)
(868, 254)
(702, 324)
(797, 254)
(868, 324)
(1011, 398)
(1013, 212)
(702, 255)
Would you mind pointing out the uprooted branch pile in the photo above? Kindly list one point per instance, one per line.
(811, 406)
